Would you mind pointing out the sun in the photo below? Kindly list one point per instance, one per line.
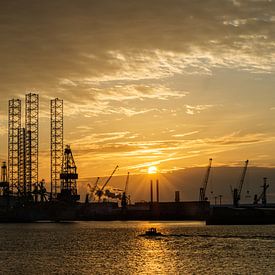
(152, 170)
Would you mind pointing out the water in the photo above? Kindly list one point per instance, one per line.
(116, 248)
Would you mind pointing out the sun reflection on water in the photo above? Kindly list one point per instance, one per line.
(155, 257)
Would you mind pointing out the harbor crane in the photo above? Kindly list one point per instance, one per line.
(127, 183)
(204, 183)
(100, 192)
(262, 195)
(92, 189)
(125, 198)
(237, 191)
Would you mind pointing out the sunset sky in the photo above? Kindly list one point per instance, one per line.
(168, 83)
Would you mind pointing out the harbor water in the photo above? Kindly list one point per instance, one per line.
(116, 248)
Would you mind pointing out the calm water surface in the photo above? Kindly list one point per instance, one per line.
(117, 248)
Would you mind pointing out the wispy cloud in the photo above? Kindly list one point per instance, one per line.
(191, 110)
(103, 101)
(185, 134)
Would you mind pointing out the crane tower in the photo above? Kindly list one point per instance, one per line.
(205, 182)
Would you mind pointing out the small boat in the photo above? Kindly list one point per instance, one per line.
(152, 232)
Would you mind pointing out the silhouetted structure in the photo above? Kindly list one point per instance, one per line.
(23, 145)
(157, 190)
(100, 192)
(14, 126)
(205, 182)
(263, 194)
(32, 139)
(4, 185)
(68, 177)
(124, 198)
(177, 196)
(57, 144)
(151, 192)
(22, 162)
(237, 191)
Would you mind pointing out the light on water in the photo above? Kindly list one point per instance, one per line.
(117, 248)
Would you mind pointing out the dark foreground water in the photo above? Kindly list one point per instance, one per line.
(116, 248)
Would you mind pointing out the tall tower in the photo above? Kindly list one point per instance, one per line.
(68, 176)
(57, 144)
(22, 163)
(14, 126)
(31, 128)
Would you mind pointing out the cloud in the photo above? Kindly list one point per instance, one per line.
(118, 99)
(191, 110)
(126, 40)
(185, 134)
(236, 138)
(99, 138)
(140, 92)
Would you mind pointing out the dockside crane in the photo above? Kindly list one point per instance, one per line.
(205, 182)
(262, 195)
(236, 192)
(92, 190)
(125, 198)
(100, 192)
(127, 183)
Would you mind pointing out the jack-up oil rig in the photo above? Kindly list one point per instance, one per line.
(22, 195)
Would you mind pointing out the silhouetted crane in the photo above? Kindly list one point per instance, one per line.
(262, 195)
(127, 183)
(125, 198)
(204, 183)
(237, 191)
(92, 190)
(99, 193)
